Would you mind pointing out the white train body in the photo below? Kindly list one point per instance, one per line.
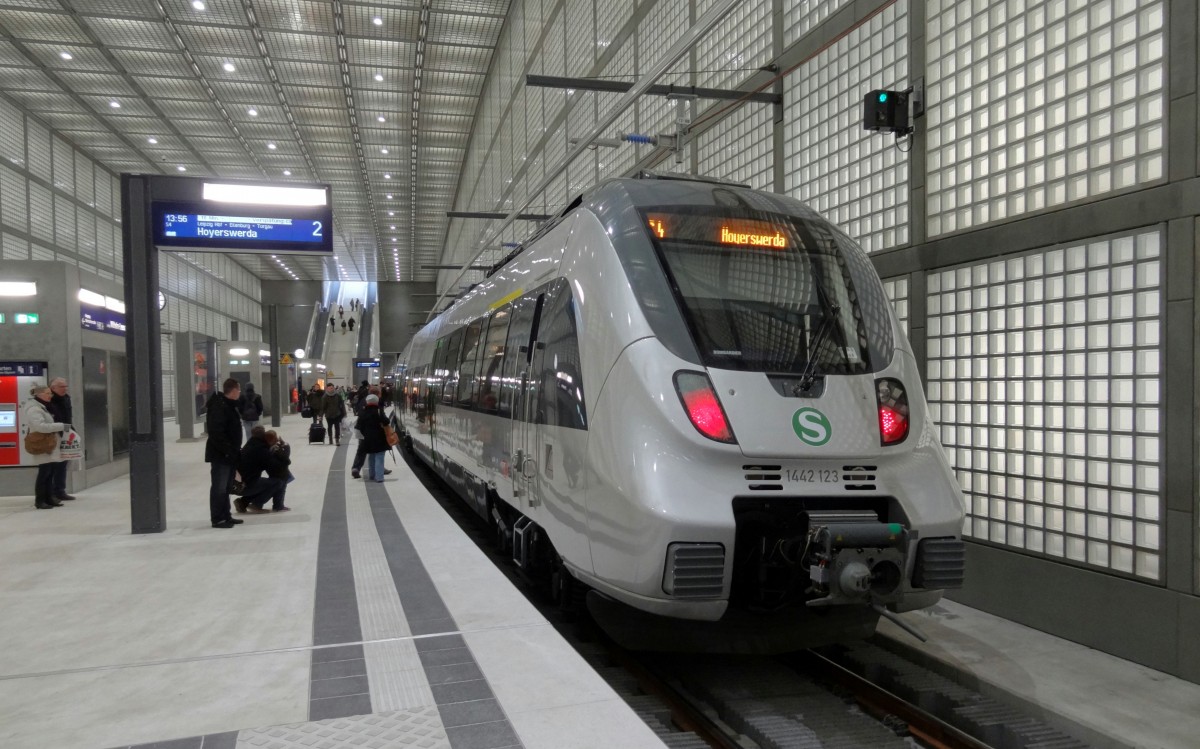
(796, 509)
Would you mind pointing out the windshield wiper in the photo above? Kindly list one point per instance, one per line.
(830, 312)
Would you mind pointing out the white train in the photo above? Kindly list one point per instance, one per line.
(693, 400)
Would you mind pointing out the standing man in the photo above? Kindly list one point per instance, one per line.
(333, 408)
(224, 446)
(60, 409)
(350, 322)
(250, 406)
(332, 327)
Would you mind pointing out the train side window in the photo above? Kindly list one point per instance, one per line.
(561, 399)
(438, 374)
(489, 390)
(524, 317)
(472, 347)
(453, 349)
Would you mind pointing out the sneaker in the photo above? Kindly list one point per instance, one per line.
(387, 471)
(338, 443)
(224, 524)
(355, 474)
(256, 510)
(240, 505)
(281, 509)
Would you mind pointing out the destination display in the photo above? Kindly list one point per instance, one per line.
(101, 319)
(225, 227)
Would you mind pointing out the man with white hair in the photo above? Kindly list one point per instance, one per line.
(60, 408)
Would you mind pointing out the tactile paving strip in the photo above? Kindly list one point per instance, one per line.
(420, 729)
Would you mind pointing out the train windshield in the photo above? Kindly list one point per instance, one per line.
(773, 293)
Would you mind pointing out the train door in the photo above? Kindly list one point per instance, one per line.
(525, 439)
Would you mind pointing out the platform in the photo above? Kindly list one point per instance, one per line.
(1107, 701)
(363, 617)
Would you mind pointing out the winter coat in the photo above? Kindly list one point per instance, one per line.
(333, 407)
(370, 425)
(250, 405)
(60, 408)
(314, 400)
(224, 426)
(35, 417)
(257, 458)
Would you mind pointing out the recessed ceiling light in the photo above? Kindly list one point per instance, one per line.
(377, 21)
(181, 168)
(379, 76)
(393, 228)
(229, 68)
(152, 141)
(65, 55)
(287, 172)
(387, 176)
(381, 118)
(393, 239)
(383, 150)
(389, 198)
(271, 146)
(115, 104)
(197, 4)
(252, 112)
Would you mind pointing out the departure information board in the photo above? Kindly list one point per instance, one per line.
(228, 228)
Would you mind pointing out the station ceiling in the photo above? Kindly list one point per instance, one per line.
(347, 94)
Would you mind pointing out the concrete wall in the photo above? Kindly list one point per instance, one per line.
(399, 311)
(294, 302)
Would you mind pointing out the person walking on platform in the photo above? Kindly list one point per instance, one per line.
(341, 312)
(343, 327)
(374, 439)
(332, 325)
(315, 399)
(259, 457)
(360, 399)
(350, 322)
(60, 409)
(223, 449)
(360, 455)
(250, 406)
(333, 408)
(38, 420)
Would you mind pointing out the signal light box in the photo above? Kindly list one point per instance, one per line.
(886, 111)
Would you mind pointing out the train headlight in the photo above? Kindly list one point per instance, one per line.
(893, 411)
(703, 407)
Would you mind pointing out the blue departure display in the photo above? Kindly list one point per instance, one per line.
(243, 228)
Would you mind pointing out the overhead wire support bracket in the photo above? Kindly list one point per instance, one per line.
(620, 87)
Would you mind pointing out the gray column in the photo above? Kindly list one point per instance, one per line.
(278, 390)
(916, 155)
(147, 463)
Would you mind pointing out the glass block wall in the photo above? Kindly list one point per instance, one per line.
(802, 16)
(855, 178)
(739, 148)
(897, 291)
(1044, 374)
(57, 204)
(1033, 104)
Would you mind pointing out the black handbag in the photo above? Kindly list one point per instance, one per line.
(236, 487)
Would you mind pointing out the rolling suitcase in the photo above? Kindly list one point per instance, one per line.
(316, 433)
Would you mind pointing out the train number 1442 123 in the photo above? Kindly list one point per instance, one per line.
(812, 476)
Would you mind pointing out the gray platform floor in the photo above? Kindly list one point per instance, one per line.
(364, 617)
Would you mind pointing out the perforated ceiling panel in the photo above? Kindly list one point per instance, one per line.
(376, 99)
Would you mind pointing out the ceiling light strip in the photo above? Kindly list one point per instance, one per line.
(422, 34)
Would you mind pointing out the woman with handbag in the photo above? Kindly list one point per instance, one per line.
(372, 425)
(42, 442)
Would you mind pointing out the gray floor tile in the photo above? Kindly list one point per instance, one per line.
(467, 713)
(337, 653)
(446, 657)
(452, 673)
(227, 740)
(483, 735)
(425, 644)
(431, 626)
(339, 707)
(463, 691)
(338, 669)
(192, 742)
(323, 688)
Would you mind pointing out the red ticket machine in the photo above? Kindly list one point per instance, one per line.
(15, 380)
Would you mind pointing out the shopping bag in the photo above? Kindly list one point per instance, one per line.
(70, 447)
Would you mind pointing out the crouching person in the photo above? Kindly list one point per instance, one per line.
(258, 459)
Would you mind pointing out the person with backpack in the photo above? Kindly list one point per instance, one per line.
(250, 406)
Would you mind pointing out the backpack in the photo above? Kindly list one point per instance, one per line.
(249, 410)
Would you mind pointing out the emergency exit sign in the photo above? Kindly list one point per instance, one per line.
(26, 318)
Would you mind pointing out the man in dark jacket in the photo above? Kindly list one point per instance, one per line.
(333, 408)
(360, 397)
(60, 409)
(258, 458)
(250, 406)
(222, 450)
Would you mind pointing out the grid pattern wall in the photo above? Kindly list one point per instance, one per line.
(897, 291)
(854, 178)
(57, 204)
(737, 47)
(1044, 376)
(167, 346)
(802, 16)
(1033, 104)
(740, 148)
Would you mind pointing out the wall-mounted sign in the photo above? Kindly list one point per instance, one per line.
(101, 319)
(366, 364)
(22, 369)
(284, 229)
(26, 318)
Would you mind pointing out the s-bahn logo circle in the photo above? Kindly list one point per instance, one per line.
(812, 426)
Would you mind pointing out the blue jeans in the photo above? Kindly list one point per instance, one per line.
(218, 493)
(375, 467)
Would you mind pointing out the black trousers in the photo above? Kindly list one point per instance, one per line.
(218, 493)
(43, 486)
(335, 428)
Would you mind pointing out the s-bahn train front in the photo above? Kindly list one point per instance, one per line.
(764, 464)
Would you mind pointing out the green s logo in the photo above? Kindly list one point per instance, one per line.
(812, 426)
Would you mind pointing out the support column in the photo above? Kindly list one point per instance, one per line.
(279, 399)
(917, 140)
(147, 462)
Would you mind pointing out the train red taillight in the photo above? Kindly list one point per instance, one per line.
(893, 411)
(703, 407)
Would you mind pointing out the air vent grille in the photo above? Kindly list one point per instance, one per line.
(941, 563)
(694, 571)
(858, 478)
(764, 478)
